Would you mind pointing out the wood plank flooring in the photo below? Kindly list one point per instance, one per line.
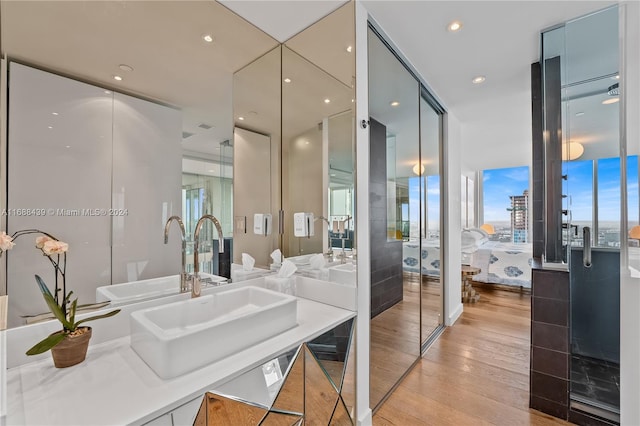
(476, 373)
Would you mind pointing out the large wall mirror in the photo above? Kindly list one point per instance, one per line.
(405, 187)
(156, 142)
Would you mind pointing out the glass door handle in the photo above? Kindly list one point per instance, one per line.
(586, 254)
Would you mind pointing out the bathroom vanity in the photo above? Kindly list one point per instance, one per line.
(115, 386)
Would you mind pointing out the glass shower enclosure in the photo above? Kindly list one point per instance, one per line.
(580, 61)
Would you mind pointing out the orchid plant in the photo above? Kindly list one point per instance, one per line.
(59, 302)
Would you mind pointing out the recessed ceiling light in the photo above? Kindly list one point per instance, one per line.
(125, 67)
(287, 80)
(353, 100)
(208, 38)
(479, 79)
(54, 113)
(579, 114)
(349, 49)
(117, 78)
(454, 26)
(610, 101)
(394, 103)
(240, 118)
(68, 146)
(326, 101)
(50, 127)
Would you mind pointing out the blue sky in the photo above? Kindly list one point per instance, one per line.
(499, 184)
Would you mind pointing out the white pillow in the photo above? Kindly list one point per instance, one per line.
(472, 239)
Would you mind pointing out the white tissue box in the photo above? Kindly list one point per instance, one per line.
(286, 285)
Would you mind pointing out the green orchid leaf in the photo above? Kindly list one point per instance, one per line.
(43, 287)
(72, 313)
(55, 309)
(46, 344)
(107, 315)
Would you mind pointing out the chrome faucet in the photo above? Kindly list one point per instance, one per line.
(195, 280)
(184, 278)
(329, 252)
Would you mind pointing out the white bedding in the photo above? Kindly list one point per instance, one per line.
(500, 263)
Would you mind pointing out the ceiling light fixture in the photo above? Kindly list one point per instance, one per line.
(349, 49)
(50, 127)
(117, 78)
(454, 26)
(394, 103)
(241, 118)
(208, 38)
(572, 151)
(68, 146)
(54, 113)
(326, 101)
(479, 79)
(610, 101)
(125, 67)
(287, 80)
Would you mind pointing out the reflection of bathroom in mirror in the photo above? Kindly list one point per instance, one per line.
(318, 75)
(156, 142)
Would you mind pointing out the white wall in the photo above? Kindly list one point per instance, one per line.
(630, 286)
(453, 229)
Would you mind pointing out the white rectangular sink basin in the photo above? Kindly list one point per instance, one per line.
(179, 337)
(343, 274)
(137, 291)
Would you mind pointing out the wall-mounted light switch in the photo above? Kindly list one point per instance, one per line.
(241, 224)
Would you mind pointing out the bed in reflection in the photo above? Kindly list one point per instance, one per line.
(500, 263)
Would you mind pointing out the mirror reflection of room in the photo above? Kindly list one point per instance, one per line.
(128, 133)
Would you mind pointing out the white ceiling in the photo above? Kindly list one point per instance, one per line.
(161, 40)
(499, 39)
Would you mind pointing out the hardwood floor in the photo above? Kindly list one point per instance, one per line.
(395, 334)
(476, 373)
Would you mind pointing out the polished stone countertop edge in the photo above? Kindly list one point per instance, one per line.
(115, 386)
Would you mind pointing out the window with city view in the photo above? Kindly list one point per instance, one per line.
(505, 195)
(605, 221)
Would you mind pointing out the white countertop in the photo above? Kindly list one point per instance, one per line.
(114, 386)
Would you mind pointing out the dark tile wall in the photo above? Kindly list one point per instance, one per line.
(386, 256)
(537, 190)
(550, 349)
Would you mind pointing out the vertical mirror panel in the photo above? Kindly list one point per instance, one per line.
(431, 255)
(395, 218)
(256, 156)
(318, 145)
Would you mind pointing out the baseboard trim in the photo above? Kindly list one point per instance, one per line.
(453, 317)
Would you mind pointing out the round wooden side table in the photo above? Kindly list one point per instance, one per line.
(469, 295)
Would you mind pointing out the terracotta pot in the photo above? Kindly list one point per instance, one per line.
(72, 350)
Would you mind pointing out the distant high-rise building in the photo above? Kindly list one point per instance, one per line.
(519, 217)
